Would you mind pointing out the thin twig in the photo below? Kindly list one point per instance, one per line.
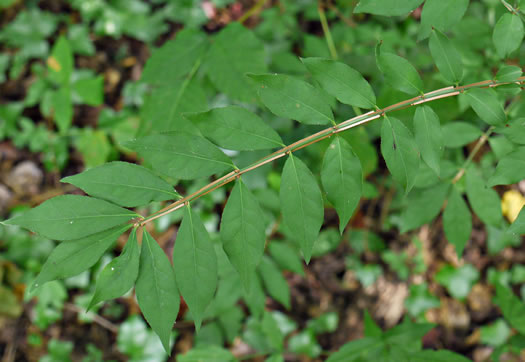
(326, 31)
(482, 140)
(103, 322)
(251, 11)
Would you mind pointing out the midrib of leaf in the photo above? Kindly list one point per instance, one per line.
(340, 161)
(446, 56)
(252, 134)
(194, 246)
(155, 276)
(402, 75)
(131, 186)
(400, 155)
(84, 217)
(304, 104)
(183, 87)
(189, 155)
(352, 89)
(484, 105)
(244, 259)
(299, 187)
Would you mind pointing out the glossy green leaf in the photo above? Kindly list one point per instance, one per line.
(123, 183)
(441, 15)
(423, 205)
(60, 63)
(342, 82)
(119, 276)
(398, 72)
(446, 57)
(181, 155)
(508, 73)
(73, 257)
(508, 34)
(286, 257)
(90, 90)
(236, 128)
(342, 179)
(429, 137)
(195, 265)
(227, 65)
(387, 7)
(62, 107)
(156, 289)
(457, 222)
(510, 169)
(399, 149)
(518, 226)
(243, 232)
(484, 201)
(514, 131)
(274, 281)
(512, 307)
(487, 106)
(301, 204)
(458, 134)
(292, 98)
(70, 217)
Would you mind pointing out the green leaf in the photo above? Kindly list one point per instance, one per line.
(120, 274)
(458, 281)
(271, 329)
(195, 265)
(286, 257)
(441, 14)
(293, 98)
(514, 131)
(398, 72)
(446, 57)
(73, 257)
(508, 73)
(342, 179)
(62, 108)
(484, 201)
(342, 82)
(495, 334)
(387, 7)
(518, 226)
(274, 281)
(243, 232)
(458, 134)
(90, 90)
(512, 307)
(60, 63)
(236, 128)
(508, 34)
(301, 204)
(123, 183)
(487, 106)
(423, 206)
(457, 222)
(70, 217)
(400, 152)
(207, 353)
(510, 169)
(437, 356)
(358, 350)
(429, 137)
(227, 65)
(156, 289)
(181, 155)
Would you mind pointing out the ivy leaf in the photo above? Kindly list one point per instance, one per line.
(73, 257)
(60, 63)
(156, 289)
(484, 201)
(120, 274)
(446, 57)
(342, 82)
(400, 152)
(274, 281)
(457, 222)
(423, 206)
(487, 106)
(508, 73)
(429, 137)
(243, 232)
(69, 217)
(181, 155)
(236, 128)
(518, 226)
(342, 179)
(387, 7)
(511, 306)
(301, 204)
(510, 169)
(398, 72)
(508, 34)
(292, 98)
(458, 134)
(123, 183)
(227, 65)
(195, 265)
(441, 14)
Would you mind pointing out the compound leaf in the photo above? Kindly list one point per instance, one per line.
(484, 201)
(510, 169)
(156, 289)
(123, 183)
(293, 98)
(181, 155)
(446, 57)
(119, 276)
(457, 221)
(429, 137)
(400, 152)
(387, 7)
(243, 232)
(487, 106)
(398, 72)
(236, 128)
(342, 179)
(195, 265)
(508, 34)
(342, 81)
(301, 204)
(69, 217)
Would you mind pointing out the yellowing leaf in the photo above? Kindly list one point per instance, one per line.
(511, 204)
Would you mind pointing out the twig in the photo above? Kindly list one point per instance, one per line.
(326, 31)
(101, 321)
(251, 11)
